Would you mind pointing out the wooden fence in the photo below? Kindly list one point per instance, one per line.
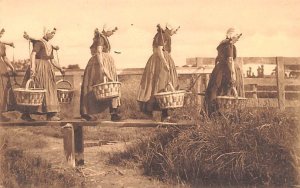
(276, 90)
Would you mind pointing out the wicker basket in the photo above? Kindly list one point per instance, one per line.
(29, 96)
(107, 90)
(65, 95)
(170, 99)
(230, 102)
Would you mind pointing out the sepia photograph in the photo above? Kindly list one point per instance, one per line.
(152, 93)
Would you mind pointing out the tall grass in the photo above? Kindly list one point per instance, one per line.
(255, 147)
(18, 168)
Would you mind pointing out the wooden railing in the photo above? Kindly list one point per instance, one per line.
(281, 96)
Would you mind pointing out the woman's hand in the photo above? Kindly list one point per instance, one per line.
(62, 71)
(166, 64)
(13, 71)
(11, 44)
(32, 72)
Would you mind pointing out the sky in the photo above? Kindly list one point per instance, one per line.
(269, 27)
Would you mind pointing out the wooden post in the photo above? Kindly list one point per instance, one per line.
(280, 83)
(69, 147)
(253, 88)
(206, 80)
(79, 145)
(77, 81)
(198, 89)
(243, 76)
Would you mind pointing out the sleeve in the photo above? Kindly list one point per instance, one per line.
(158, 40)
(234, 52)
(37, 46)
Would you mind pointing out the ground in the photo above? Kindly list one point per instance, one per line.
(96, 172)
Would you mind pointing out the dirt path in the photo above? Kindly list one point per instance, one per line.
(96, 171)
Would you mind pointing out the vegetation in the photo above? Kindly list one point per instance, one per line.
(255, 147)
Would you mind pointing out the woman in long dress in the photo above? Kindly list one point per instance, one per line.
(227, 76)
(7, 101)
(100, 65)
(42, 71)
(160, 70)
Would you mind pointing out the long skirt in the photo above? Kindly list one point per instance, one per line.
(154, 80)
(7, 100)
(94, 74)
(44, 78)
(220, 84)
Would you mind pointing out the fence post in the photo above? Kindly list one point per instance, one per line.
(280, 82)
(77, 81)
(254, 90)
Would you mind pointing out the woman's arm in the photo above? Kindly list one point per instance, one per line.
(8, 63)
(32, 63)
(56, 65)
(162, 57)
(99, 54)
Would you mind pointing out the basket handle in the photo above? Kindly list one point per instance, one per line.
(28, 84)
(171, 86)
(66, 81)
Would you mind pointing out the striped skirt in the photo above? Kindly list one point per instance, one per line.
(7, 100)
(44, 78)
(154, 80)
(94, 74)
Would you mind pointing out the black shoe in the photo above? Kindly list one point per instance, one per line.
(115, 117)
(26, 117)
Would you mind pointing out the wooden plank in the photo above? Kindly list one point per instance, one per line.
(292, 103)
(259, 60)
(292, 81)
(262, 102)
(280, 83)
(260, 91)
(101, 123)
(295, 92)
(180, 70)
(291, 60)
(261, 81)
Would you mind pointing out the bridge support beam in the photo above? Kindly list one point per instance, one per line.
(73, 144)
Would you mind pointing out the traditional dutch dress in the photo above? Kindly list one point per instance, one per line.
(7, 100)
(44, 78)
(94, 74)
(156, 76)
(221, 82)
